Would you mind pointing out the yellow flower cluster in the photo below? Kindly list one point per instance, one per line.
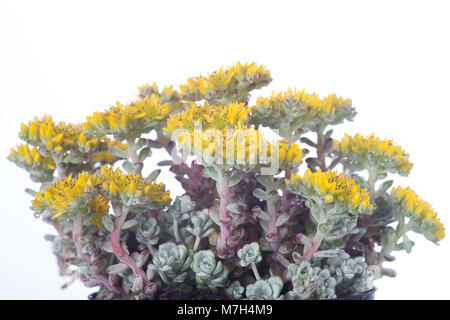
(85, 194)
(73, 196)
(132, 189)
(243, 147)
(54, 137)
(233, 115)
(128, 121)
(221, 83)
(302, 99)
(383, 153)
(167, 95)
(27, 158)
(421, 211)
(333, 188)
(298, 109)
(289, 155)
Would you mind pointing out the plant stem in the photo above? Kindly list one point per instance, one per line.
(176, 231)
(118, 250)
(272, 234)
(285, 193)
(320, 152)
(387, 250)
(255, 271)
(77, 234)
(197, 243)
(281, 259)
(224, 216)
(315, 245)
(371, 182)
(132, 153)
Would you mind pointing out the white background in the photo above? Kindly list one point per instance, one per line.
(70, 58)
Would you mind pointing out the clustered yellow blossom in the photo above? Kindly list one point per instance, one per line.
(233, 82)
(372, 151)
(421, 211)
(55, 137)
(289, 155)
(73, 196)
(242, 148)
(233, 115)
(132, 189)
(167, 95)
(295, 109)
(129, 121)
(332, 187)
(107, 157)
(28, 158)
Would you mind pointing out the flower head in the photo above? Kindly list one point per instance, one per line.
(30, 158)
(422, 213)
(332, 188)
(293, 110)
(129, 121)
(73, 196)
(132, 190)
(232, 115)
(167, 95)
(289, 155)
(244, 148)
(363, 151)
(224, 85)
(55, 137)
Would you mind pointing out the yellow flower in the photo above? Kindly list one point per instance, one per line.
(293, 110)
(383, 153)
(331, 186)
(233, 115)
(132, 189)
(57, 137)
(420, 211)
(73, 196)
(128, 121)
(243, 147)
(107, 157)
(230, 84)
(28, 158)
(289, 155)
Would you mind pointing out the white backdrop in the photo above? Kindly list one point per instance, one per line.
(70, 58)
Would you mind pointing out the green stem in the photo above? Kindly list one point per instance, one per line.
(371, 182)
(255, 271)
(320, 151)
(400, 231)
(132, 153)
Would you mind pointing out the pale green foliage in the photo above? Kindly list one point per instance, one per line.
(265, 289)
(173, 261)
(208, 271)
(249, 254)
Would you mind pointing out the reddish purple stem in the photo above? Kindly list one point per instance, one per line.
(120, 253)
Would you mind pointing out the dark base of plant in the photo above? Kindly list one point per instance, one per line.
(174, 294)
(368, 295)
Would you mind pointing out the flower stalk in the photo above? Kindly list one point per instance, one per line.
(224, 216)
(118, 249)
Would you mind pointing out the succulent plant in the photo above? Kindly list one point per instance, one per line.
(269, 289)
(251, 223)
(208, 271)
(172, 262)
